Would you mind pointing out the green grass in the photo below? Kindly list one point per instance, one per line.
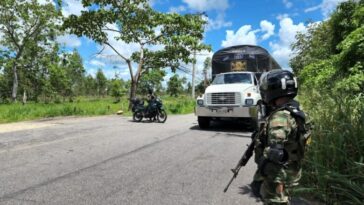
(180, 105)
(334, 163)
(84, 107)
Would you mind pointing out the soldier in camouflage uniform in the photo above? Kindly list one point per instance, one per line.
(280, 144)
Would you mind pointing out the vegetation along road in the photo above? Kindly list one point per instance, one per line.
(112, 160)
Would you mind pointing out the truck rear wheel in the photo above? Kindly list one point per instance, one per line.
(203, 122)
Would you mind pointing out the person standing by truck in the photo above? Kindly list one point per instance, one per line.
(280, 144)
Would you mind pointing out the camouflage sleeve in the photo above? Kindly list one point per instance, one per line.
(280, 126)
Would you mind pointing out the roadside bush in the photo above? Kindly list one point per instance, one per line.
(334, 163)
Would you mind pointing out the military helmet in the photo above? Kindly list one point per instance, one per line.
(277, 83)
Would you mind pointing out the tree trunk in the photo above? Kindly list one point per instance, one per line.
(15, 83)
(205, 79)
(133, 90)
(193, 74)
(24, 97)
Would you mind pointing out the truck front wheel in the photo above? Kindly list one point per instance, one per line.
(203, 122)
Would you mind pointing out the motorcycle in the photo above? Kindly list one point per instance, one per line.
(154, 111)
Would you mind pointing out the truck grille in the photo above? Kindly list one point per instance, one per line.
(223, 98)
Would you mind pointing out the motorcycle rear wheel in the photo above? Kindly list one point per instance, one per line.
(162, 116)
(137, 116)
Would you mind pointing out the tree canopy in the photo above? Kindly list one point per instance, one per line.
(175, 85)
(174, 35)
(28, 30)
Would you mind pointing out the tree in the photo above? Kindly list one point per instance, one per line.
(329, 56)
(175, 85)
(189, 88)
(136, 22)
(28, 27)
(74, 69)
(89, 84)
(200, 88)
(117, 87)
(152, 79)
(59, 82)
(101, 82)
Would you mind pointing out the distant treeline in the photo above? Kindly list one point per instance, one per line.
(34, 66)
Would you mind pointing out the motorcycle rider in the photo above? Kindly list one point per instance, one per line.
(150, 100)
(280, 144)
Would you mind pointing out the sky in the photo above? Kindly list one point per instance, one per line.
(271, 24)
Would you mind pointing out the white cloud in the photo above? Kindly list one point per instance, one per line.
(42, 2)
(125, 73)
(245, 35)
(282, 16)
(125, 49)
(110, 57)
(69, 40)
(267, 27)
(177, 9)
(287, 3)
(72, 7)
(211, 5)
(326, 7)
(288, 30)
(281, 50)
(314, 8)
(206, 5)
(97, 63)
(219, 22)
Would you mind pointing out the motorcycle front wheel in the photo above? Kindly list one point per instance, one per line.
(161, 116)
(137, 116)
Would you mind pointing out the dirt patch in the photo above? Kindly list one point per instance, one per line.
(11, 127)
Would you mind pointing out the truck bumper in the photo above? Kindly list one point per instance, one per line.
(234, 112)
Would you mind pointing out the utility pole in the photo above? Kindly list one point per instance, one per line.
(193, 74)
(205, 82)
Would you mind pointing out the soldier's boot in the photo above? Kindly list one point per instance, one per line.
(255, 186)
(274, 193)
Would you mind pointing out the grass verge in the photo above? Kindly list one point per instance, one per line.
(84, 107)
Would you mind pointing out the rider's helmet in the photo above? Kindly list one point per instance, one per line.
(277, 83)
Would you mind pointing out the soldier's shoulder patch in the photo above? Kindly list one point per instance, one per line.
(279, 118)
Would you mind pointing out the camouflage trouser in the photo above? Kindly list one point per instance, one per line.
(274, 193)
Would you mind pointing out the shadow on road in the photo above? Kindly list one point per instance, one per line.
(144, 121)
(230, 128)
(247, 190)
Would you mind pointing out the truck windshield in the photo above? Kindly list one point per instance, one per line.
(232, 78)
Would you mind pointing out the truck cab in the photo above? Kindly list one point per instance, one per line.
(234, 91)
(231, 95)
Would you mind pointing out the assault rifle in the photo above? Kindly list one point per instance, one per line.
(243, 161)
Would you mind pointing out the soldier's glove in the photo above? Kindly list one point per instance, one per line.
(277, 154)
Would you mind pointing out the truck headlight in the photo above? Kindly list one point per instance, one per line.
(200, 102)
(249, 101)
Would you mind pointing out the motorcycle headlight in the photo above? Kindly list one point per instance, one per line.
(200, 102)
(249, 101)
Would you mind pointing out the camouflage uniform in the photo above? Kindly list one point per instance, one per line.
(280, 144)
(281, 128)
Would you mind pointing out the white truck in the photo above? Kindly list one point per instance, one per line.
(234, 91)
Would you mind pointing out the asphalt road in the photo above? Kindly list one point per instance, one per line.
(112, 160)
